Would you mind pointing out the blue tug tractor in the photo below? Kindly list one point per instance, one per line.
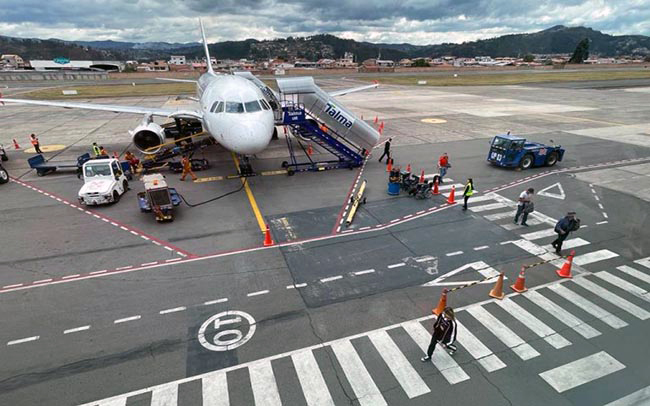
(511, 152)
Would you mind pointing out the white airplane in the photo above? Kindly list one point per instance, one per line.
(232, 109)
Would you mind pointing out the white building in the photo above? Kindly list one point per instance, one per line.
(177, 60)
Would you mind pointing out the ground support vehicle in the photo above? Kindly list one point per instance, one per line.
(511, 151)
(44, 167)
(3, 154)
(105, 182)
(158, 197)
(4, 175)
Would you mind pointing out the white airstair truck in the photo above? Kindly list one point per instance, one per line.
(104, 182)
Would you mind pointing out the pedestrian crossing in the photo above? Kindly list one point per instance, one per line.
(555, 315)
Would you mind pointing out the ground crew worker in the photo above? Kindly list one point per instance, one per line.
(187, 168)
(444, 332)
(102, 151)
(133, 161)
(443, 165)
(525, 199)
(386, 150)
(563, 227)
(36, 144)
(96, 150)
(469, 191)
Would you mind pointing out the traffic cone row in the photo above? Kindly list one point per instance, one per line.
(16, 146)
(435, 187)
(497, 290)
(422, 176)
(520, 284)
(565, 271)
(267, 237)
(389, 164)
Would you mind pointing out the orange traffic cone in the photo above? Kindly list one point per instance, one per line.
(267, 237)
(520, 284)
(16, 146)
(408, 168)
(565, 271)
(380, 130)
(381, 125)
(310, 150)
(452, 195)
(376, 120)
(497, 290)
(422, 176)
(435, 187)
(389, 164)
(442, 303)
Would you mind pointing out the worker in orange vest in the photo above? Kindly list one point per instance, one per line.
(36, 144)
(187, 168)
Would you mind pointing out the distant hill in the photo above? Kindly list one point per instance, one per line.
(558, 39)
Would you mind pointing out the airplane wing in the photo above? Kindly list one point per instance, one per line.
(178, 80)
(113, 108)
(354, 89)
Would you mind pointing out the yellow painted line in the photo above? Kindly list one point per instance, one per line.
(582, 119)
(208, 179)
(278, 172)
(251, 199)
(433, 120)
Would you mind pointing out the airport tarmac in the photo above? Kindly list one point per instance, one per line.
(105, 306)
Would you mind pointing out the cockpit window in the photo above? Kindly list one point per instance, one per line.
(252, 106)
(265, 105)
(214, 107)
(234, 107)
(217, 107)
(220, 107)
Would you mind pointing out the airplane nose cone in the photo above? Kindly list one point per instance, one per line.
(250, 138)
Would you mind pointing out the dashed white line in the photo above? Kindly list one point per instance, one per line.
(114, 224)
(482, 247)
(451, 254)
(156, 242)
(106, 220)
(408, 216)
(124, 320)
(134, 233)
(173, 259)
(602, 222)
(597, 198)
(99, 272)
(211, 302)
(76, 329)
(605, 215)
(168, 248)
(149, 263)
(394, 221)
(181, 254)
(96, 216)
(396, 265)
(332, 278)
(347, 231)
(363, 272)
(23, 340)
(364, 228)
(124, 228)
(71, 276)
(174, 310)
(144, 237)
(43, 281)
(420, 212)
(123, 268)
(600, 206)
(87, 212)
(259, 292)
(296, 286)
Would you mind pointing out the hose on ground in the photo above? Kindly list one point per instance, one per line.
(243, 184)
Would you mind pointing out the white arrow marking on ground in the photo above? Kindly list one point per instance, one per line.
(479, 266)
(545, 192)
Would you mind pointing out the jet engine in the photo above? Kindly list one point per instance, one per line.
(148, 137)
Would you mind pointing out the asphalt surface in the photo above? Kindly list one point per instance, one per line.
(94, 310)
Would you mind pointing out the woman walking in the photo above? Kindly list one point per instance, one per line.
(444, 332)
(469, 191)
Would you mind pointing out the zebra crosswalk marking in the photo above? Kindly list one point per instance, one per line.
(549, 232)
(443, 361)
(503, 333)
(401, 368)
(121, 401)
(595, 256)
(623, 284)
(501, 215)
(513, 226)
(562, 315)
(362, 384)
(311, 379)
(533, 323)
(215, 390)
(265, 388)
(569, 244)
(588, 306)
(644, 262)
(477, 349)
(614, 299)
(633, 272)
(166, 395)
(486, 207)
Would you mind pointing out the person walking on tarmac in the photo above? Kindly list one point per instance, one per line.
(386, 150)
(96, 150)
(564, 226)
(524, 206)
(468, 192)
(444, 332)
(133, 161)
(443, 165)
(102, 151)
(36, 144)
(187, 168)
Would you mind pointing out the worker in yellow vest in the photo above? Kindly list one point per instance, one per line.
(469, 191)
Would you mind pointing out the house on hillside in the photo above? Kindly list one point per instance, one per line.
(12, 61)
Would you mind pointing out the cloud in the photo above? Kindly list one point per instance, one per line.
(413, 21)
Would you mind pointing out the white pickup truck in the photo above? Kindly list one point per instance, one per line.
(104, 182)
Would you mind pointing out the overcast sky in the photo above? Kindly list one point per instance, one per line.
(414, 21)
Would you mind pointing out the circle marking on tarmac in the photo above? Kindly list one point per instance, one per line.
(227, 339)
(433, 120)
(46, 148)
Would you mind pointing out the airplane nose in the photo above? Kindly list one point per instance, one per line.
(250, 138)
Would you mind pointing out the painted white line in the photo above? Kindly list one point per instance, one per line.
(401, 368)
(76, 330)
(407, 216)
(96, 216)
(602, 222)
(503, 333)
(605, 215)
(71, 276)
(364, 387)
(134, 233)
(451, 254)
(482, 247)
(633, 272)
(259, 292)
(211, 302)
(168, 248)
(616, 300)
(149, 263)
(363, 272)
(173, 259)
(531, 222)
(124, 267)
(215, 390)
(501, 216)
(420, 212)
(347, 231)
(17, 285)
(394, 221)
(99, 272)
(331, 278)
(568, 244)
(165, 395)
(114, 224)
(105, 220)
(595, 256)
(124, 228)
(588, 306)
(296, 286)
(124, 320)
(364, 228)
(23, 340)
(144, 237)
(600, 206)
(486, 207)
(311, 380)
(562, 315)
(644, 262)
(174, 310)
(533, 323)
(397, 265)
(597, 198)
(581, 371)
(623, 284)
(477, 349)
(638, 398)
(593, 191)
(441, 359)
(539, 234)
(42, 281)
